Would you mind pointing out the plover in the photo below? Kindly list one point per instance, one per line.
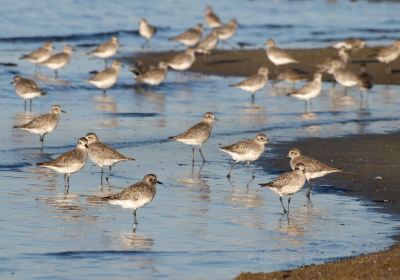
(246, 150)
(276, 55)
(339, 60)
(106, 49)
(135, 196)
(313, 168)
(153, 77)
(43, 124)
(366, 81)
(190, 37)
(350, 44)
(254, 82)
(27, 89)
(59, 60)
(146, 30)
(389, 54)
(39, 55)
(227, 31)
(212, 19)
(288, 184)
(309, 90)
(197, 134)
(208, 44)
(292, 75)
(106, 78)
(346, 78)
(182, 61)
(69, 162)
(103, 155)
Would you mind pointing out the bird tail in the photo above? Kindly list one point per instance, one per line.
(173, 137)
(25, 56)
(41, 163)
(43, 93)
(264, 185)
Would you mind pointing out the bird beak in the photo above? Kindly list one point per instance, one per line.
(158, 182)
(62, 111)
(86, 145)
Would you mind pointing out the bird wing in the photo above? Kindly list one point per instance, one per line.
(240, 147)
(108, 152)
(313, 165)
(102, 75)
(195, 131)
(57, 58)
(38, 122)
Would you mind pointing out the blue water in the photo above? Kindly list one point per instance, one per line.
(200, 225)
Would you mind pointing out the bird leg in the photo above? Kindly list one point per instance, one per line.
(56, 74)
(230, 169)
(192, 155)
(101, 179)
(288, 203)
(305, 106)
(204, 160)
(67, 185)
(30, 105)
(109, 174)
(309, 188)
(24, 105)
(284, 209)
(252, 98)
(135, 222)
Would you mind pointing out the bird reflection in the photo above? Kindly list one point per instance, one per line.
(145, 96)
(340, 101)
(69, 207)
(254, 113)
(51, 80)
(196, 183)
(105, 103)
(135, 241)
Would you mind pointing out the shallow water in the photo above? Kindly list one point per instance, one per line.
(199, 225)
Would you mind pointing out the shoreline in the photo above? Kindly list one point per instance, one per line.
(246, 62)
(371, 176)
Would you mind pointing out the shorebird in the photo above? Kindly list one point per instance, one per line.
(276, 55)
(212, 19)
(43, 124)
(246, 150)
(106, 49)
(346, 78)
(106, 78)
(182, 61)
(366, 81)
(147, 31)
(227, 31)
(27, 90)
(389, 54)
(152, 77)
(69, 162)
(313, 168)
(103, 155)
(309, 90)
(350, 44)
(292, 75)
(135, 196)
(59, 60)
(209, 43)
(254, 82)
(190, 37)
(197, 134)
(39, 55)
(288, 184)
(339, 60)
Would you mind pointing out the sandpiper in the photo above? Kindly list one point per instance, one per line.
(153, 77)
(227, 31)
(309, 90)
(43, 124)
(346, 78)
(209, 43)
(147, 31)
(39, 55)
(276, 55)
(182, 61)
(254, 82)
(339, 60)
(103, 155)
(190, 37)
(246, 150)
(27, 89)
(106, 78)
(197, 134)
(350, 44)
(313, 167)
(106, 49)
(69, 162)
(212, 19)
(59, 60)
(389, 54)
(292, 75)
(135, 196)
(288, 184)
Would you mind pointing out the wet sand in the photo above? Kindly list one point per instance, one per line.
(246, 62)
(371, 165)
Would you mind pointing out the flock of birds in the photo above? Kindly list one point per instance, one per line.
(303, 168)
